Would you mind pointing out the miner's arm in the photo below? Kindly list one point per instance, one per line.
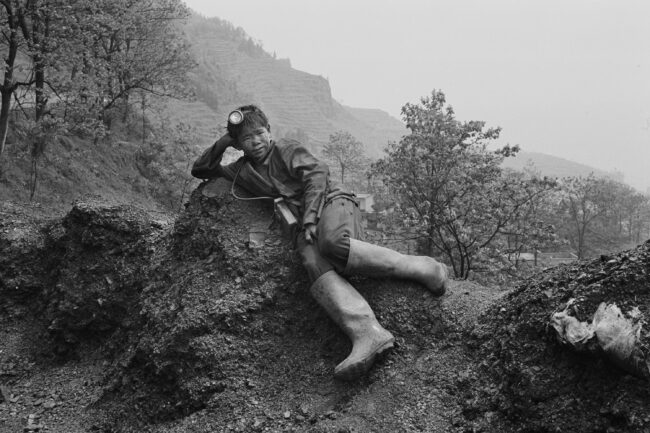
(313, 175)
(208, 165)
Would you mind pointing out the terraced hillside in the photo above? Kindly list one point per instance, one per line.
(233, 70)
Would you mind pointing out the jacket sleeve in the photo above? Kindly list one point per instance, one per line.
(313, 174)
(208, 165)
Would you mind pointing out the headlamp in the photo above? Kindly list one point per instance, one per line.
(235, 117)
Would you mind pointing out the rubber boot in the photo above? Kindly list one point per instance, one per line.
(376, 261)
(350, 311)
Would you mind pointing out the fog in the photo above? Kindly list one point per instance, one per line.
(569, 79)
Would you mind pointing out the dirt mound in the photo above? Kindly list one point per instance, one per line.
(539, 384)
(207, 325)
(81, 273)
(23, 267)
(103, 263)
(232, 336)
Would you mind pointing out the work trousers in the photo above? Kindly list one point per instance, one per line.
(340, 220)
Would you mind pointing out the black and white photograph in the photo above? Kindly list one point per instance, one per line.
(324, 216)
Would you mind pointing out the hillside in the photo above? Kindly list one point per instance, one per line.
(232, 70)
(553, 166)
(74, 167)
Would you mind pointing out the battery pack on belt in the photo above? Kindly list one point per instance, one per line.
(284, 215)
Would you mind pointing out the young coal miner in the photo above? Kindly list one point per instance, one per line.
(329, 242)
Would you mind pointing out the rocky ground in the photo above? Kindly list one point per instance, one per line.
(114, 320)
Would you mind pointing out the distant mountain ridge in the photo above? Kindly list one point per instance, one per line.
(555, 167)
(234, 70)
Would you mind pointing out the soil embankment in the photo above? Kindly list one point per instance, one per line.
(117, 321)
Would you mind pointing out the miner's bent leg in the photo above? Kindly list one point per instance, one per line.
(350, 311)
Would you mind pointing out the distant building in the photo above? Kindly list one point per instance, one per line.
(366, 201)
(527, 257)
(546, 259)
(556, 257)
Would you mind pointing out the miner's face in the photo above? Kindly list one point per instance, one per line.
(255, 141)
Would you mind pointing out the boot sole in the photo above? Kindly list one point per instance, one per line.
(360, 368)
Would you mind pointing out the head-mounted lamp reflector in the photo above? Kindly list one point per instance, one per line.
(236, 117)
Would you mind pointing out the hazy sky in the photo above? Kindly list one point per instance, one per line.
(567, 78)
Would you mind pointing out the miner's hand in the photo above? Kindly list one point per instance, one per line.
(310, 233)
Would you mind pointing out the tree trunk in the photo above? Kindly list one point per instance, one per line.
(581, 242)
(8, 85)
(33, 177)
(39, 88)
(125, 112)
(39, 34)
(4, 117)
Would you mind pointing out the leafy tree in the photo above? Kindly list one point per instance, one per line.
(46, 40)
(163, 160)
(638, 218)
(11, 14)
(38, 42)
(600, 214)
(632, 214)
(137, 46)
(43, 28)
(84, 60)
(531, 228)
(345, 151)
(585, 202)
(451, 187)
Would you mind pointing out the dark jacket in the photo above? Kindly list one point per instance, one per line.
(289, 171)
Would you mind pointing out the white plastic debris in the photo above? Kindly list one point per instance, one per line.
(618, 336)
(572, 331)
